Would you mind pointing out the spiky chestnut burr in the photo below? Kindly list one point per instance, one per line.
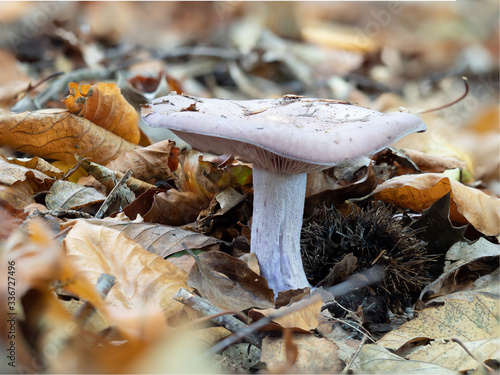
(373, 236)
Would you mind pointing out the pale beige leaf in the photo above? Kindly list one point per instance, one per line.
(141, 276)
(461, 319)
(451, 355)
(374, 358)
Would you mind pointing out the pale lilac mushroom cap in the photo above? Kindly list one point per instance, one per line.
(284, 139)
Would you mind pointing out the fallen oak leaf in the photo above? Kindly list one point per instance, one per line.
(467, 205)
(104, 105)
(56, 134)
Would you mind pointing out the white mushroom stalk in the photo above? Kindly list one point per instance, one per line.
(284, 139)
(278, 207)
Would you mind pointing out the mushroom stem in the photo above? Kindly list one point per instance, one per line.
(278, 208)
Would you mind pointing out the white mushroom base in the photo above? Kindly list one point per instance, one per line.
(278, 208)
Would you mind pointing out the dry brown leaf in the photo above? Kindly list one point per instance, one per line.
(229, 283)
(174, 208)
(433, 163)
(198, 182)
(467, 205)
(60, 135)
(155, 162)
(11, 172)
(466, 320)
(40, 165)
(159, 239)
(19, 194)
(305, 318)
(315, 355)
(104, 105)
(141, 276)
(65, 195)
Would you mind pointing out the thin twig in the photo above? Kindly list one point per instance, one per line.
(453, 102)
(353, 357)
(112, 195)
(104, 284)
(206, 308)
(258, 325)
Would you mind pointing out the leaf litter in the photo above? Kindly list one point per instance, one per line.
(58, 165)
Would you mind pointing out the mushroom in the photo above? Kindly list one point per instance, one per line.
(284, 139)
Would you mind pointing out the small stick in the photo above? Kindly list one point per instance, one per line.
(206, 308)
(453, 102)
(112, 194)
(361, 344)
(472, 354)
(257, 325)
(104, 284)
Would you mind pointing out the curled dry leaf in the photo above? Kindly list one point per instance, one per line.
(155, 162)
(229, 283)
(38, 164)
(468, 205)
(198, 182)
(11, 172)
(61, 135)
(141, 276)
(434, 163)
(305, 318)
(104, 105)
(65, 195)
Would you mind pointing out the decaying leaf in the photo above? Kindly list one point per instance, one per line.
(468, 205)
(466, 320)
(104, 105)
(60, 135)
(65, 195)
(229, 283)
(141, 276)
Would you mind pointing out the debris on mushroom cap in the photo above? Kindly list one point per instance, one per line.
(288, 135)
